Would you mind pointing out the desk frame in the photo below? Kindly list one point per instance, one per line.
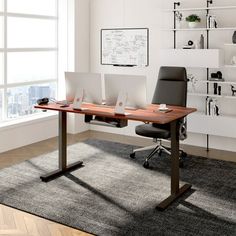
(62, 152)
(175, 192)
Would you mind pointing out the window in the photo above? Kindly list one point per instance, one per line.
(28, 55)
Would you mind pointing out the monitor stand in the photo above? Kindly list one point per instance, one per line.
(121, 103)
(78, 100)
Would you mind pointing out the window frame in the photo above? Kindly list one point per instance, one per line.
(5, 50)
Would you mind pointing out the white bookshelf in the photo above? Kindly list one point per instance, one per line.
(211, 60)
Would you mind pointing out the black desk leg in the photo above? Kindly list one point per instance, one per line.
(62, 152)
(175, 190)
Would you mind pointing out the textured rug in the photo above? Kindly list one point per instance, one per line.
(114, 195)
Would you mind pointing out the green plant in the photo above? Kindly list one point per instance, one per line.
(193, 18)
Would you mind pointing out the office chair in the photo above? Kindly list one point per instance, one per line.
(171, 89)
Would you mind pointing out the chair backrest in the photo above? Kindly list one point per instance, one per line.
(171, 88)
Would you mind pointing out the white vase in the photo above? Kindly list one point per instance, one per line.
(192, 24)
(178, 24)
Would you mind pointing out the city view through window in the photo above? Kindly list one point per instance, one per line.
(21, 100)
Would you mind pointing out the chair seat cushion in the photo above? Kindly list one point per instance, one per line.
(149, 130)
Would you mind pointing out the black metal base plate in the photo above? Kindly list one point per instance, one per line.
(165, 203)
(57, 173)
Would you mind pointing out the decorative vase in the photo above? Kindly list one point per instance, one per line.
(234, 37)
(192, 24)
(178, 24)
(233, 60)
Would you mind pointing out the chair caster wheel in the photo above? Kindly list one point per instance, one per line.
(183, 154)
(132, 155)
(181, 164)
(159, 152)
(146, 164)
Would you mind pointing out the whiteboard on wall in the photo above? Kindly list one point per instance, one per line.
(125, 47)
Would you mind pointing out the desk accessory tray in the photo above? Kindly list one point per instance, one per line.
(105, 121)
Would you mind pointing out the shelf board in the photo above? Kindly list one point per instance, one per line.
(230, 97)
(201, 29)
(230, 44)
(221, 28)
(203, 115)
(201, 8)
(218, 82)
(230, 66)
(203, 95)
(186, 9)
(211, 95)
(185, 29)
(221, 8)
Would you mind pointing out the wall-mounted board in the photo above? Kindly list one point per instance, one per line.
(125, 47)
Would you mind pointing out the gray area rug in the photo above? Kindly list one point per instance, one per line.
(114, 195)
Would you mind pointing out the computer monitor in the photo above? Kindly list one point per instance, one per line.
(91, 84)
(133, 85)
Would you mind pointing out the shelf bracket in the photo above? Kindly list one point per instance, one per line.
(177, 4)
(209, 2)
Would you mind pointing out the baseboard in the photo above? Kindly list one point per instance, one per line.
(139, 141)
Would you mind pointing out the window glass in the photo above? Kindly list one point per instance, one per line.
(31, 33)
(30, 69)
(1, 32)
(42, 7)
(31, 66)
(21, 100)
(1, 69)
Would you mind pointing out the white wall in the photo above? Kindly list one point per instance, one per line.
(121, 14)
(80, 45)
(126, 13)
(148, 13)
(21, 134)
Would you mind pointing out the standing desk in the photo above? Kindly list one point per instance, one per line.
(150, 114)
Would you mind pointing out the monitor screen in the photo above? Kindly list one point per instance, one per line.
(133, 85)
(91, 84)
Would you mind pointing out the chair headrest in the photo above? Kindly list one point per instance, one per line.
(172, 73)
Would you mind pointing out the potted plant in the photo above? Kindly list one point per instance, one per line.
(193, 20)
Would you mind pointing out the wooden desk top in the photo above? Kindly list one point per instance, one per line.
(150, 114)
